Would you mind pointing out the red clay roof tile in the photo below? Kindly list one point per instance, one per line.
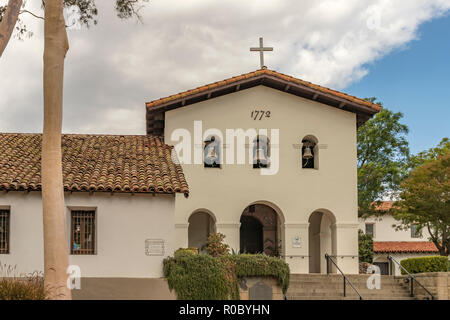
(140, 164)
(404, 246)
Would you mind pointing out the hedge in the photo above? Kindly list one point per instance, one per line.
(260, 265)
(425, 264)
(203, 277)
(199, 277)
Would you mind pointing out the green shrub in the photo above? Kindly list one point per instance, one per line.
(365, 247)
(199, 277)
(425, 264)
(203, 277)
(186, 251)
(260, 265)
(215, 245)
(12, 287)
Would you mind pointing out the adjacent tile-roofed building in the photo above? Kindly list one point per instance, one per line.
(404, 247)
(109, 163)
(155, 109)
(385, 206)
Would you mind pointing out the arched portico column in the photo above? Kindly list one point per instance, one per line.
(347, 246)
(181, 235)
(296, 246)
(231, 232)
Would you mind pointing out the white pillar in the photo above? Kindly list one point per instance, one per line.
(181, 236)
(296, 247)
(346, 244)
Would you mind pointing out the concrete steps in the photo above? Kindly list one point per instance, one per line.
(330, 287)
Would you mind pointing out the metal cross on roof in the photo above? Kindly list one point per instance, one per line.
(261, 50)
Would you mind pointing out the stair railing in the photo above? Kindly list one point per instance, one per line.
(412, 279)
(330, 259)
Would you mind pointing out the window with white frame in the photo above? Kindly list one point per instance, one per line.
(370, 229)
(415, 232)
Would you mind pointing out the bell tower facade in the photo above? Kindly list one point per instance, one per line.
(271, 162)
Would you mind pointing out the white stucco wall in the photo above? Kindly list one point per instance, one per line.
(295, 193)
(123, 222)
(384, 230)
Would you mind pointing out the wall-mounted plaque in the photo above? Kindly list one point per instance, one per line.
(154, 247)
(296, 242)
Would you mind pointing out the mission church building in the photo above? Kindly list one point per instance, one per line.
(132, 200)
(304, 210)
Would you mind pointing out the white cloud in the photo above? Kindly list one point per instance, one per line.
(114, 68)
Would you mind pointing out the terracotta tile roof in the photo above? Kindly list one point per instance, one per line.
(385, 205)
(404, 246)
(262, 72)
(111, 163)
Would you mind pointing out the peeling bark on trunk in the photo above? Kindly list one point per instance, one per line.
(56, 249)
(8, 22)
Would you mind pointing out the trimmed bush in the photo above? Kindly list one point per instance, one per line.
(203, 277)
(186, 251)
(425, 264)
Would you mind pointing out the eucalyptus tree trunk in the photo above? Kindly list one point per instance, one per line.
(8, 22)
(56, 249)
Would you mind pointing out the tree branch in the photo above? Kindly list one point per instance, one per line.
(34, 15)
(8, 22)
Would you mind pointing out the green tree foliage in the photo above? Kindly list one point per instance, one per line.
(425, 201)
(365, 247)
(382, 155)
(431, 154)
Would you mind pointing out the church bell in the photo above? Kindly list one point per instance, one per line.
(211, 156)
(260, 156)
(307, 154)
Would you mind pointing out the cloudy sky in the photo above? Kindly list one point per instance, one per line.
(363, 47)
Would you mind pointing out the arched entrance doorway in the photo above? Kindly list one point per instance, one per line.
(322, 240)
(251, 235)
(201, 225)
(259, 232)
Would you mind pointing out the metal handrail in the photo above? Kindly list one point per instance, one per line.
(391, 259)
(329, 258)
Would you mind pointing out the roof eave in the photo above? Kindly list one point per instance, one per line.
(365, 111)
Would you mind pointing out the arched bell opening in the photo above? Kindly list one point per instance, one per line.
(310, 152)
(261, 152)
